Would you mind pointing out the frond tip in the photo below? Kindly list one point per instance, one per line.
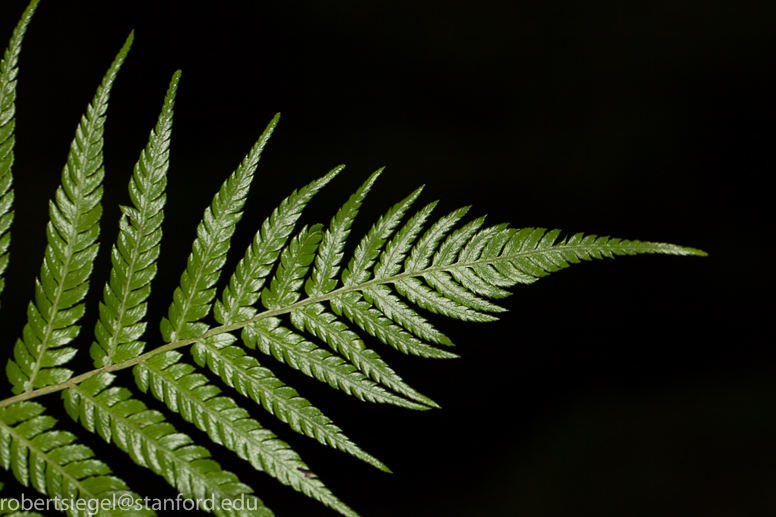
(525, 255)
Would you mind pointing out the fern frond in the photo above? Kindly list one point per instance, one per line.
(8, 73)
(442, 282)
(288, 347)
(421, 252)
(198, 402)
(438, 302)
(53, 463)
(134, 256)
(405, 266)
(193, 298)
(72, 247)
(490, 278)
(447, 299)
(397, 248)
(471, 263)
(171, 381)
(116, 416)
(488, 287)
(524, 256)
(244, 373)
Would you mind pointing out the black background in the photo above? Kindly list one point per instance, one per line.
(640, 386)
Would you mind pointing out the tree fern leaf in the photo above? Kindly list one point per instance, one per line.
(371, 320)
(446, 286)
(134, 256)
(244, 373)
(587, 247)
(198, 402)
(294, 263)
(8, 73)
(248, 278)
(52, 463)
(153, 443)
(284, 345)
(330, 252)
(371, 245)
(398, 312)
(523, 256)
(475, 246)
(333, 332)
(71, 249)
(193, 298)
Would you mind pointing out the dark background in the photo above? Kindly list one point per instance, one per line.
(640, 386)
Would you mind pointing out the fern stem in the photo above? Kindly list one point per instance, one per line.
(654, 248)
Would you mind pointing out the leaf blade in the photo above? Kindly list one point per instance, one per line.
(120, 327)
(72, 235)
(193, 298)
(8, 73)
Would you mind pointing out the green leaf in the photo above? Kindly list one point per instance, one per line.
(330, 252)
(294, 263)
(333, 332)
(288, 347)
(372, 320)
(192, 300)
(8, 73)
(248, 278)
(524, 256)
(227, 424)
(371, 245)
(50, 461)
(72, 246)
(396, 274)
(244, 373)
(120, 326)
(154, 443)
(397, 311)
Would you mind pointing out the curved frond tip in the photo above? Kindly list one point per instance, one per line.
(8, 74)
